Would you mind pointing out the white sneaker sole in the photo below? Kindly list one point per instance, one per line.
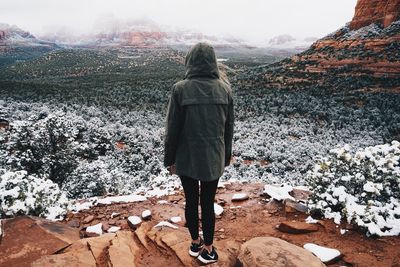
(193, 254)
(200, 258)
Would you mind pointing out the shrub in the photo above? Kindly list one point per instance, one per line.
(21, 193)
(361, 187)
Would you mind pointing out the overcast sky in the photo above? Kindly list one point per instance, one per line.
(253, 20)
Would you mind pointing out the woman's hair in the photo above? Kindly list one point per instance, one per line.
(222, 73)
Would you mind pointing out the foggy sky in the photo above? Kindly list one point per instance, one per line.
(252, 20)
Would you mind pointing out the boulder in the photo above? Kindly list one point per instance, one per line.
(274, 252)
(297, 227)
(26, 239)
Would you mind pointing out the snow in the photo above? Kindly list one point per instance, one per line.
(122, 199)
(81, 206)
(310, 219)
(376, 171)
(113, 229)
(343, 231)
(96, 229)
(372, 187)
(323, 253)
(114, 214)
(218, 209)
(146, 214)
(134, 220)
(239, 196)
(165, 224)
(279, 192)
(162, 202)
(176, 219)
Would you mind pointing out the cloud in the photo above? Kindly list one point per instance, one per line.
(248, 19)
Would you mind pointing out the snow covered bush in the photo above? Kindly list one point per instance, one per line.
(21, 193)
(361, 187)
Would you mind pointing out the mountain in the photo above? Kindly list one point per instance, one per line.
(17, 44)
(365, 53)
(286, 41)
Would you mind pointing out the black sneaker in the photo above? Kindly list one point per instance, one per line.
(195, 249)
(206, 257)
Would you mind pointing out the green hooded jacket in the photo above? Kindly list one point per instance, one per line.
(200, 119)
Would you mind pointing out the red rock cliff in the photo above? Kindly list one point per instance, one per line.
(382, 12)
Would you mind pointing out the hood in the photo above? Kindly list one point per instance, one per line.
(201, 62)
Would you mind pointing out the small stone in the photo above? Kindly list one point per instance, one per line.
(74, 223)
(123, 224)
(326, 255)
(94, 230)
(222, 236)
(293, 206)
(134, 221)
(114, 214)
(240, 197)
(162, 202)
(174, 198)
(146, 215)
(112, 222)
(221, 202)
(176, 219)
(88, 219)
(218, 209)
(297, 227)
(105, 227)
(222, 230)
(113, 229)
(165, 224)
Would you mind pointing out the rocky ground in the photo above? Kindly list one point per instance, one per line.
(28, 240)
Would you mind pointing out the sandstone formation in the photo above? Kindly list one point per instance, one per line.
(363, 55)
(26, 239)
(382, 12)
(275, 252)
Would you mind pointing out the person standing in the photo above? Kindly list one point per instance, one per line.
(198, 141)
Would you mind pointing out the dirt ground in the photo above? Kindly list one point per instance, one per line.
(246, 219)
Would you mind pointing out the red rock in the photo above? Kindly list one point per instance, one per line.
(382, 12)
(105, 226)
(293, 206)
(74, 223)
(88, 219)
(297, 227)
(26, 239)
(271, 251)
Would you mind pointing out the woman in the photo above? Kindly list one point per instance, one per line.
(198, 142)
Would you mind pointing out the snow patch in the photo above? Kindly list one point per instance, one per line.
(165, 224)
(95, 229)
(218, 209)
(323, 253)
(279, 192)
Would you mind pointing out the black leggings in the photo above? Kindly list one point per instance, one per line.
(207, 195)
